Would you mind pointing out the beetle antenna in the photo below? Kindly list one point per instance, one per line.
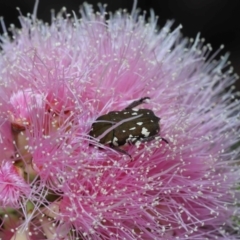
(136, 103)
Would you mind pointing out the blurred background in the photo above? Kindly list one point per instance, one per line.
(218, 21)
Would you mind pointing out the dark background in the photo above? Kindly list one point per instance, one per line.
(217, 20)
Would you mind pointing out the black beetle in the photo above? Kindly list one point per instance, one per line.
(129, 126)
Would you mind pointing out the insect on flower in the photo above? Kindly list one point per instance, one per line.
(127, 127)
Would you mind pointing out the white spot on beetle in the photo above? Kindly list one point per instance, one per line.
(128, 140)
(131, 139)
(134, 113)
(125, 112)
(135, 109)
(145, 132)
(123, 130)
(137, 143)
(132, 128)
(115, 141)
(139, 123)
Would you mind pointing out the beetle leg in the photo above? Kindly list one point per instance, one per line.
(136, 103)
(163, 139)
(147, 139)
(120, 151)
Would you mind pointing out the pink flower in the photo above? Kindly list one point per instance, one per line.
(12, 185)
(57, 79)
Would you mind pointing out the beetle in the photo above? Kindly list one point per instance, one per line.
(127, 127)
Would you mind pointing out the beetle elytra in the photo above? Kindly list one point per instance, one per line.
(129, 126)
